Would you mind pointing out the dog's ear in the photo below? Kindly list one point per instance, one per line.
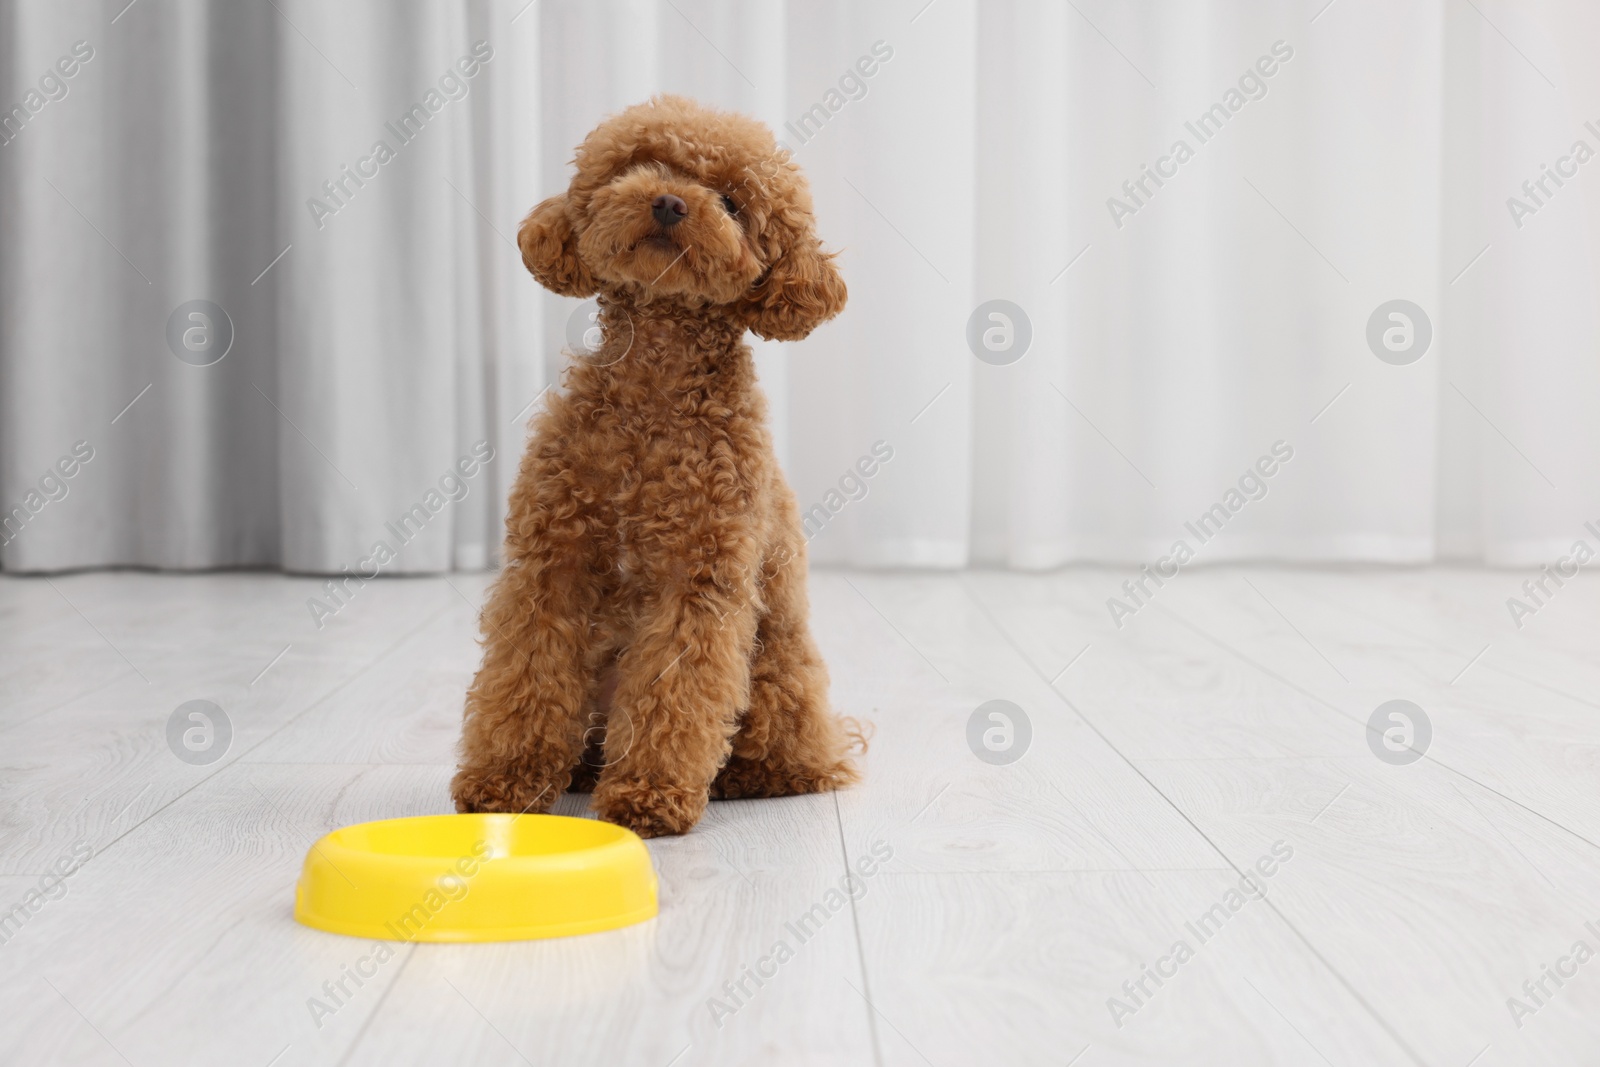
(798, 293)
(550, 249)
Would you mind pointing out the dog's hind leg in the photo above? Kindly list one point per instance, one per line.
(789, 741)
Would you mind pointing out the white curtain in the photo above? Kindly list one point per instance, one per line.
(961, 153)
(383, 334)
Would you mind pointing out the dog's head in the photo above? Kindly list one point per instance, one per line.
(673, 201)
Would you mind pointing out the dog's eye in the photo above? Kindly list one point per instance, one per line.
(730, 203)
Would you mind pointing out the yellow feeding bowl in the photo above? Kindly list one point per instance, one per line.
(476, 878)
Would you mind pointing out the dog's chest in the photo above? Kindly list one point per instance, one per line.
(670, 425)
(662, 450)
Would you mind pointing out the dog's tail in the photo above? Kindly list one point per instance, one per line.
(858, 733)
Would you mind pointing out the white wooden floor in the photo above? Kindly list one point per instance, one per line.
(1165, 760)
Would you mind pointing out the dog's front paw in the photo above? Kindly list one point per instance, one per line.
(476, 791)
(649, 810)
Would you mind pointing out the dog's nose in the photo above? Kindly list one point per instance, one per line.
(668, 210)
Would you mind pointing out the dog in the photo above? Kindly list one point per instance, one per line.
(647, 637)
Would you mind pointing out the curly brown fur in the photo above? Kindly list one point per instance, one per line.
(647, 638)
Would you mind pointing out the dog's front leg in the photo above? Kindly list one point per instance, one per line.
(684, 679)
(523, 732)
